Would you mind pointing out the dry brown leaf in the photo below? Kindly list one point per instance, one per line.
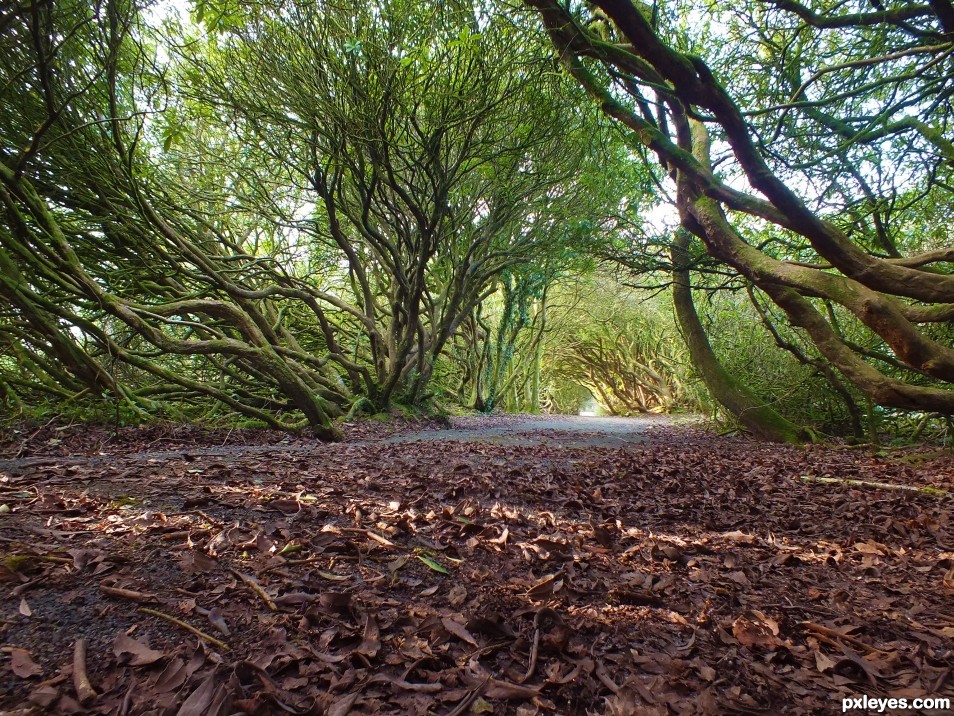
(458, 630)
(738, 577)
(172, 677)
(546, 587)
(456, 596)
(23, 665)
(287, 506)
(948, 579)
(342, 706)
(767, 621)
(290, 599)
(370, 642)
(752, 632)
(44, 696)
(200, 701)
(140, 654)
(870, 547)
(197, 563)
(706, 672)
(739, 537)
(822, 662)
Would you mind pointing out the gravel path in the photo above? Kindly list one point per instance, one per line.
(563, 430)
(553, 430)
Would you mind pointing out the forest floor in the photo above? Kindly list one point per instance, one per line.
(507, 565)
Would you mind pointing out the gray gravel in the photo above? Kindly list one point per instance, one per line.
(554, 430)
(564, 430)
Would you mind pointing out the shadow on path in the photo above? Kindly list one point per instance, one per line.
(569, 431)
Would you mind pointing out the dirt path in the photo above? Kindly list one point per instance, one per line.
(563, 431)
(507, 566)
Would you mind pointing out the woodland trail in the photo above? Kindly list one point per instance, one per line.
(571, 431)
(508, 565)
(563, 431)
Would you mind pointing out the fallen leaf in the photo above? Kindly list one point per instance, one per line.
(456, 596)
(458, 630)
(201, 700)
(706, 672)
(370, 642)
(342, 706)
(172, 677)
(752, 631)
(433, 564)
(739, 537)
(546, 587)
(197, 563)
(23, 665)
(823, 663)
(141, 653)
(286, 506)
(738, 577)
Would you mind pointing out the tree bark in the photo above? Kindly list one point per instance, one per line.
(733, 395)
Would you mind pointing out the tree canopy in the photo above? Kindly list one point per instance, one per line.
(294, 211)
(805, 146)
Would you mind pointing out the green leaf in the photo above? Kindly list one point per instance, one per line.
(433, 564)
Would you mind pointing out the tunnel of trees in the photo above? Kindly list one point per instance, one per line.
(286, 213)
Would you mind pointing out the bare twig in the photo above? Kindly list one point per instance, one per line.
(293, 563)
(835, 636)
(937, 492)
(534, 652)
(84, 690)
(141, 597)
(188, 627)
(252, 584)
(465, 703)
(369, 534)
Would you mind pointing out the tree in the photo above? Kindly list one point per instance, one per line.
(626, 352)
(287, 219)
(832, 116)
(735, 396)
(112, 269)
(432, 147)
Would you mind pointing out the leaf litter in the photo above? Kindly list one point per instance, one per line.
(687, 574)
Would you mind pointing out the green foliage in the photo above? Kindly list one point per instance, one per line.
(625, 352)
(290, 212)
(804, 145)
(794, 388)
